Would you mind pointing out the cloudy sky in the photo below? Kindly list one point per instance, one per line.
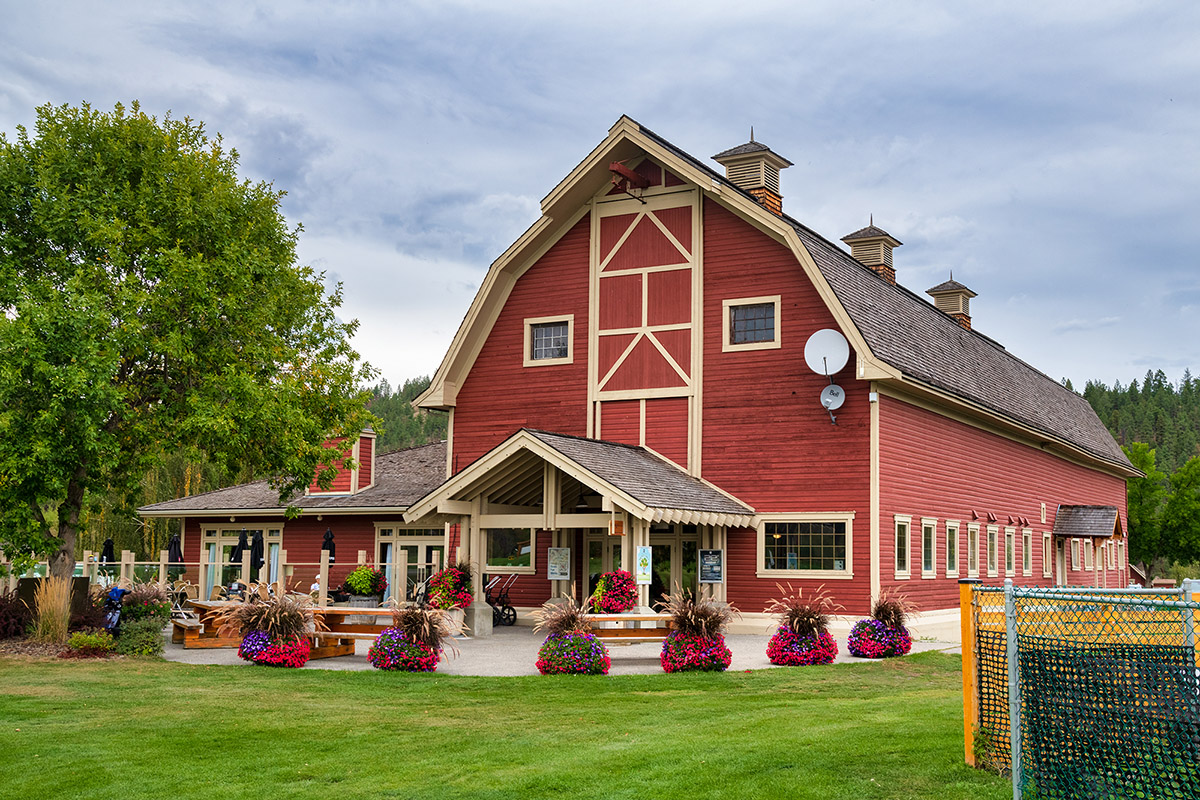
(1049, 156)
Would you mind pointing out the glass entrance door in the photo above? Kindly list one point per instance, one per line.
(604, 555)
(674, 561)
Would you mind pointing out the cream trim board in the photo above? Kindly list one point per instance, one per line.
(952, 528)
(993, 533)
(529, 324)
(973, 550)
(902, 526)
(761, 521)
(929, 536)
(727, 307)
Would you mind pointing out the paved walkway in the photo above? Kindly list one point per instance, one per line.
(513, 651)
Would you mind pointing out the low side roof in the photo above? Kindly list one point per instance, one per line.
(1094, 521)
(401, 477)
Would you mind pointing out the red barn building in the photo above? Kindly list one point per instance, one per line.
(650, 366)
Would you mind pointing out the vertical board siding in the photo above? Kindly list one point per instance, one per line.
(667, 428)
(669, 297)
(644, 368)
(499, 395)
(621, 421)
(766, 438)
(932, 466)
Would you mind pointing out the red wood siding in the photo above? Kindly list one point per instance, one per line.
(669, 297)
(341, 481)
(644, 368)
(667, 428)
(620, 302)
(931, 466)
(766, 438)
(500, 395)
(621, 421)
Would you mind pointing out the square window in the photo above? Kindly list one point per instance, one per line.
(751, 323)
(548, 340)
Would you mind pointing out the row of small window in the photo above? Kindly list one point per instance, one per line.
(750, 324)
(1111, 553)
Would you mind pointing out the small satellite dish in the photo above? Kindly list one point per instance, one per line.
(826, 352)
(832, 397)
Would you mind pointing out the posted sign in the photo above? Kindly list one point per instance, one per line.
(643, 566)
(712, 566)
(558, 563)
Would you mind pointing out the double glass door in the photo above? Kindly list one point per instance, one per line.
(420, 550)
(674, 561)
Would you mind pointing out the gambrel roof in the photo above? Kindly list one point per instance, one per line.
(898, 336)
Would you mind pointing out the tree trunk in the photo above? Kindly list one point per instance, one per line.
(62, 562)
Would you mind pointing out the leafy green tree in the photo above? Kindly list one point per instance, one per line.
(150, 301)
(1181, 515)
(1145, 499)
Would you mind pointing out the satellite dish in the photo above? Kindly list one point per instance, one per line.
(826, 352)
(832, 397)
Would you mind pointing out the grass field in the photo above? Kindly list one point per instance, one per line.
(134, 729)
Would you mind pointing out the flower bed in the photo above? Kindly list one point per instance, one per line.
(573, 653)
(871, 638)
(259, 648)
(615, 592)
(790, 649)
(393, 650)
(684, 652)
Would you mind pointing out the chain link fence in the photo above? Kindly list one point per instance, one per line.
(1103, 685)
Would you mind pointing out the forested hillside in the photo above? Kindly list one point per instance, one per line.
(1156, 412)
(402, 425)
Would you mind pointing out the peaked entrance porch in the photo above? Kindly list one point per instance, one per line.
(557, 510)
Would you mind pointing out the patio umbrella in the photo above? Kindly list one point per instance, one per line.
(106, 554)
(235, 555)
(327, 544)
(174, 551)
(256, 551)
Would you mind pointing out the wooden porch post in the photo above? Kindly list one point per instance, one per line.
(245, 579)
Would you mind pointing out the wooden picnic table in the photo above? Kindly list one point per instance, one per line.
(635, 632)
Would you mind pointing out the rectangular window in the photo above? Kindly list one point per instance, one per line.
(951, 549)
(548, 340)
(1047, 556)
(992, 532)
(972, 551)
(751, 323)
(1120, 555)
(1027, 552)
(804, 546)
(902, 546)
(1076, 559)
(928, 548)
(510, 550)
(1087, 553)
(1010, 556)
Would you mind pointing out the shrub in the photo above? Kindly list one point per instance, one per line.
(615, 592)
(870, 638)
(688, 652)
(395, 650)
(790, 649)
(52, 610)
(142, 637)
(893, 609)
(92, 615)
(561, 618)
(15, 616)
(451, 588)
(260, 647)
(697, 616)
(146, 601)
(96, 644)
(573, 653)
(365, 580)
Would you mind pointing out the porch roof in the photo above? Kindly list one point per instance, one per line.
(632, 478)
(1096, 521)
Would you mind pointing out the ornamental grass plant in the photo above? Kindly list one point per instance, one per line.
(802, 637)
(570, 647)
(274, 631)
(52, 610)
(415, 641)
(696, 642)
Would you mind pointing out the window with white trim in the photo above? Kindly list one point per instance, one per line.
(1076, 559)
(1010, 555)
(902, 549)
(1120, 555)
(992, 533)
(951, 548)
(1047, 556)
(928, 548)
(1026, 552)
(510, 550)
(972, 550)
(1087, 554)
(751, 323)
(548, 340)
(805, 545)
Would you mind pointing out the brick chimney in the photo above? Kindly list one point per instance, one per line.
(873, 247)
(954, 299)
(755, 167)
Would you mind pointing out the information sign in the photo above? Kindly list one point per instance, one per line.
(712, 566)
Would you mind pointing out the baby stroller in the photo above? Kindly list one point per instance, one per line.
(112, 609)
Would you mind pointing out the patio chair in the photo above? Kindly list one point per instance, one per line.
(218, 593)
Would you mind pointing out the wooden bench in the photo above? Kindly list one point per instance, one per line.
(631, 635)
(331, 644)
(184, 629)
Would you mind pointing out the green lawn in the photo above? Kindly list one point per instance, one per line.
(128, 729)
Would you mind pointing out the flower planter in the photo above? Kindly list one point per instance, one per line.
(790, 649)
(393, 651)
(870, 638)
(362, 601)
(682, 652)
(457, 619)
(573, 654)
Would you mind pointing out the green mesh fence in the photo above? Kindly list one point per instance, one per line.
(1109, 691)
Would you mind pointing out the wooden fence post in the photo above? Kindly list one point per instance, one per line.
(966, 588)
(400, 590)
(280, 574)
(245, 579)
(127, 565)
(323, 593)
(162, 567)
